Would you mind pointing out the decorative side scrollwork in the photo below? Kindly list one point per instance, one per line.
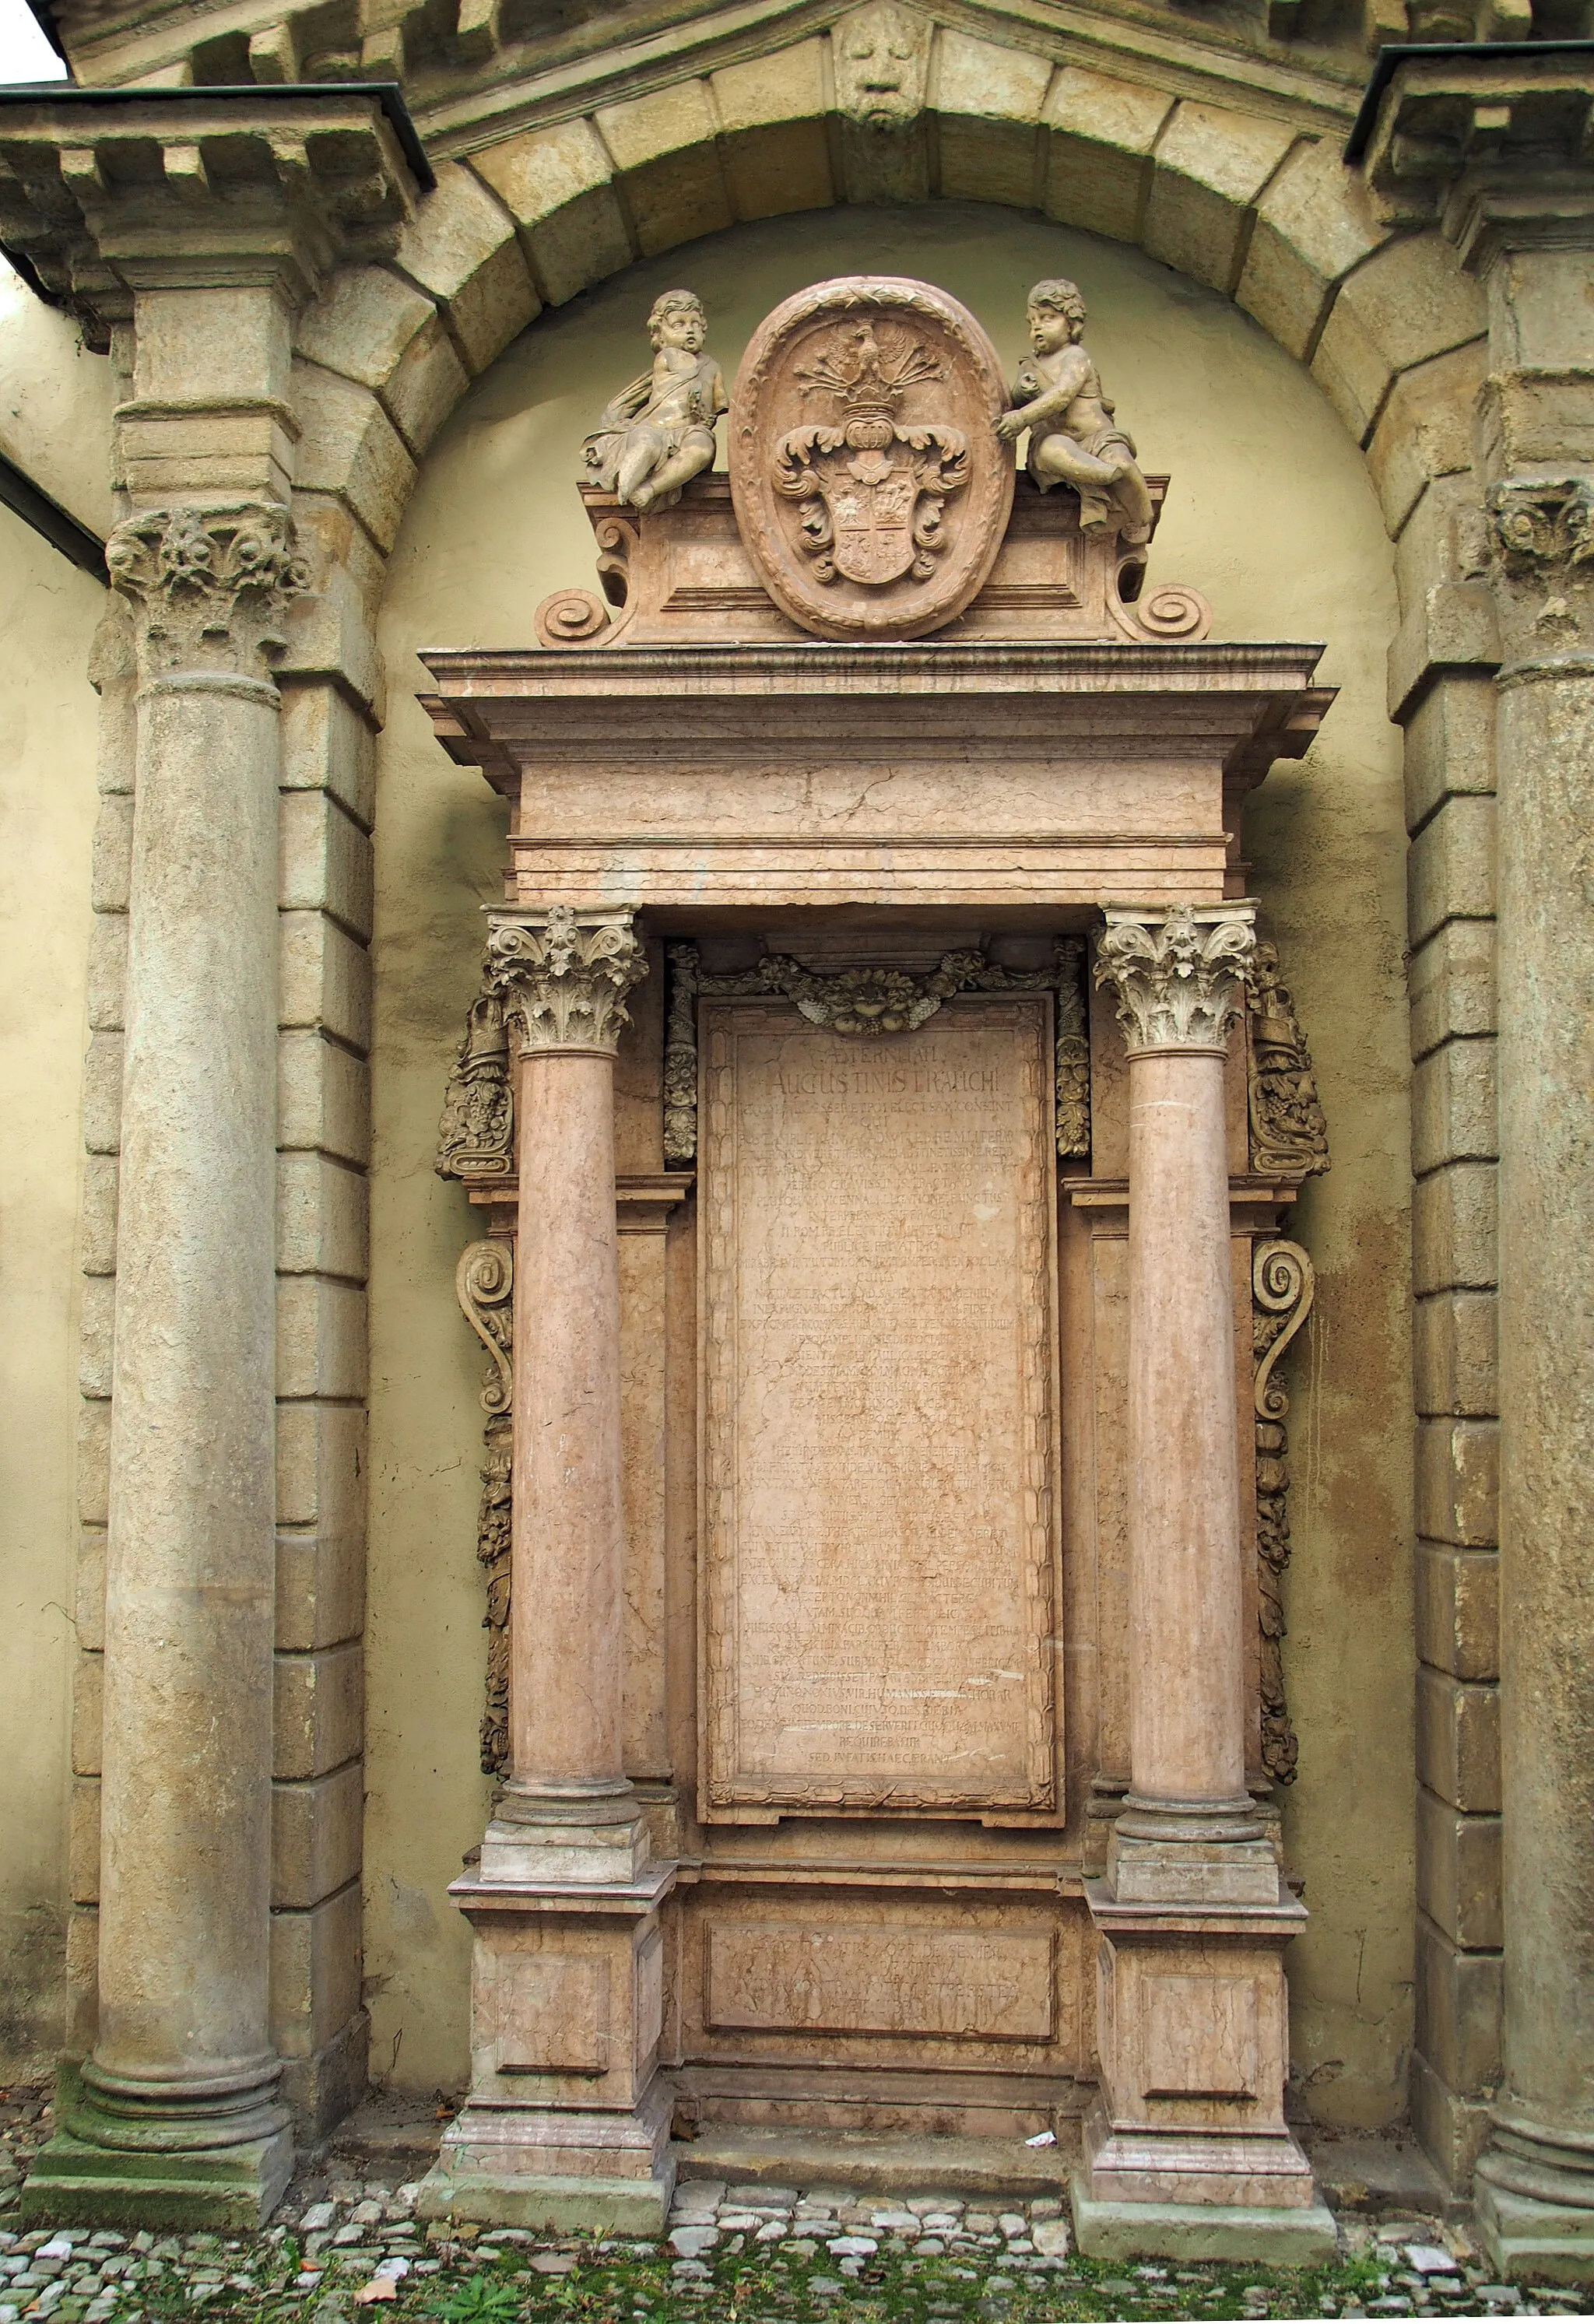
(867, 1003)
(1288, 1134)
(484, 1283)
(476, 1136)
(1282, 1286)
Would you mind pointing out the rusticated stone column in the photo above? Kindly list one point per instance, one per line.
(1536, 2178)
(566, 2125)
(1186, 2148)
(177, 2114)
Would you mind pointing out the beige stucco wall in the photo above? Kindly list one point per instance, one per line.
(54, 422)
(1271, 516)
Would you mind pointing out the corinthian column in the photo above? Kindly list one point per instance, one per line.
(177, 2116)
(565, 2125)
(1186, 2148)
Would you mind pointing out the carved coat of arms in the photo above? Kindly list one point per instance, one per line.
(871, 488)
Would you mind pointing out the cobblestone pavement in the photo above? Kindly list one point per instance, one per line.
(733, 2255)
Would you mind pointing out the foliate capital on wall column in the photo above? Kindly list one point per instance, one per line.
(1177, 978)
(1542, 537)
(564, 976)
(209, 586)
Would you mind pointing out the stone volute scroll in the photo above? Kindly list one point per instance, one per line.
(872, 490)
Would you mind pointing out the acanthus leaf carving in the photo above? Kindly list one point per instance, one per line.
(1288, 1133)
(1543, 535)
(1282, 1288)
(870, 1004)
(476, 1135)
(564, 976)
(211, 585)
(1178, 979)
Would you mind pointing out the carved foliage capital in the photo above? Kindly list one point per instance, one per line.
(564, 976)
(1543, 525)
(209, 586)
(1178, 981)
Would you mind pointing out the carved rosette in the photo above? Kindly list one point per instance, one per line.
(1282, 1286)
(211, 586)
(563, 976)
(1288, 1134)
(1178, 980)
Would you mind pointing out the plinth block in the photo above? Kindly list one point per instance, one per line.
(225, 2188)
(1532, 2242)
(572, 2170)
(1302, 2237)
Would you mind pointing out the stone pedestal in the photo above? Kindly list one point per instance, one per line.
(567, 2126)
(1186, 2148)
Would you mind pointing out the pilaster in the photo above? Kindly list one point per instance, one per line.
(1186, 2147)
(566, 2123)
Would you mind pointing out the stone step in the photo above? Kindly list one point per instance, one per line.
(743, 2154)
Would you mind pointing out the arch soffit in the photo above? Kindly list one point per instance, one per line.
(1390, 326)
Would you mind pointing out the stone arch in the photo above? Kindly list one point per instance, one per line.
(1259, 209)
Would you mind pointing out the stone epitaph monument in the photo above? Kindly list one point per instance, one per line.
(884, 1119)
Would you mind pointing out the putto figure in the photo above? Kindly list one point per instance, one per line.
(657, 434)
(1072, 437)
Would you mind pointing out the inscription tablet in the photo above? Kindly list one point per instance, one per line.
(879, 1410)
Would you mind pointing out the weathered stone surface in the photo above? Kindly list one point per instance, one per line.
(321, 1349)
(1450, 867)
(665, 157)
(318, 1711)
(1451, 982)
(987, 101)
(1459, 1872)
(462, 249)
(1458, 1482)
(1208, 169)
(1313, 223)
(772, 131)
(316, 1828)
(1099, 135)
(559, 185)
(1404, 304)
(1458, 2011)
(1454, 1350)
(1453, 1107)
(1455, 1229)
(1458, 1741)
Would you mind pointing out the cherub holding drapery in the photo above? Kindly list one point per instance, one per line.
(657, 434)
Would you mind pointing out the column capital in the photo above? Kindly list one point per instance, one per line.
(210, 585)
(564, 975)
(1177, 977)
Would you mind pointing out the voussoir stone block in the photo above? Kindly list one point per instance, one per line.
(1458, 1482)
(317, 1710)
(1313, 224)
(1458, 1609)
(1098, 139)
(329, 745)
(323, 979)
(321, 1337)
(315, 1972)
(1208, 169)
(1451, 867)
(351, 448)
(1425, 429)
(324, 861)
(558, 185)
(1453, 1114)
(1459, 1872)
(1455, 1229)
(323, 1217)
(1449, 742)
(381, 332)
(665, 156)
(1458, 1740)
(1406, 302)
(989, 101)
(1458, 2010)
(1455, 1354)
(462, 248)
(315, 1835)
(773, 140)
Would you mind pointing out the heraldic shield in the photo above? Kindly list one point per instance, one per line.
(878, 513)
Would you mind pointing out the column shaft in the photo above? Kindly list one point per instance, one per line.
(565, 1655)
(1188, 1718)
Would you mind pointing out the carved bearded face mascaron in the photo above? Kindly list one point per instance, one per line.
(883, 56)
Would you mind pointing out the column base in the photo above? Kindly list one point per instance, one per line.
(568, 2171)
(73, 2184)
(1304, 2236)
(1533, 2195)
(538, 1840)
(1193, 2162)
